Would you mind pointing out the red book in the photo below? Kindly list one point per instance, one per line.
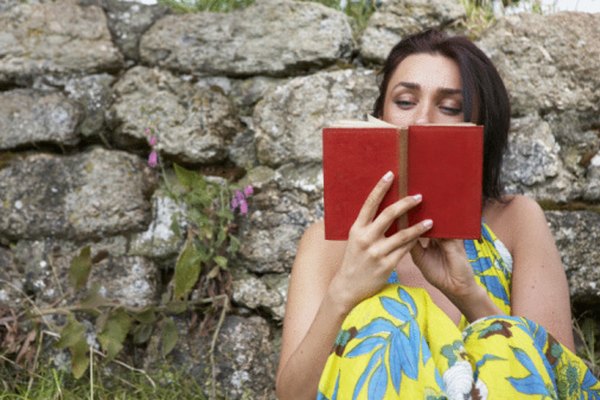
(442, 162)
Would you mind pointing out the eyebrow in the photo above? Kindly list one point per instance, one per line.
(416, 86)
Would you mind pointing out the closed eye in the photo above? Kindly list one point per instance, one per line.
(451, 110)
(404, 103)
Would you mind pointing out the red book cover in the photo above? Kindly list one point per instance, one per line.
(442, 162)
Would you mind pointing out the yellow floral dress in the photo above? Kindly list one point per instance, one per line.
(399, 345)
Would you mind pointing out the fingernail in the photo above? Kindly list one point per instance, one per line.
(418, 197)
(388, 176)
(427, 223)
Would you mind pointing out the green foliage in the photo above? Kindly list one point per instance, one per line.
(113, 331)
(120, 383)
(80, 268)
(588, 331)
(73, 337)
(359, 10)
(187, 270)
(185, 6)
(200, 278)
(481, 15)
(211, 240)
(169, 336)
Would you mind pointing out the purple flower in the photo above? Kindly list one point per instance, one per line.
(235, 203)
(153, 140)
(238, 200)
(243, 208)
(153, 159)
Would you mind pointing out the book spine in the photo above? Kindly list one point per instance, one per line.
(402, 172)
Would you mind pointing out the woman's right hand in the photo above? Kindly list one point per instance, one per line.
(370, 257)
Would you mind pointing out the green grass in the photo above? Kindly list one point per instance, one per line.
(588, 331)
(114, 383)
(480, 13)
(359, 10)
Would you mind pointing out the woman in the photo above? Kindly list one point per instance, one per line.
(446, 331)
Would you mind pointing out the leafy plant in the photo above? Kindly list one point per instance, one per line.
(200, 281)
(588, 330)
(358, 10)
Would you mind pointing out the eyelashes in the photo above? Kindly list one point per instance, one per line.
(448, 110)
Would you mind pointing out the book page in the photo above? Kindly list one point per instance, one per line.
(373, 122)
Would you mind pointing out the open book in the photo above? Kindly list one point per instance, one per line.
(444, 163)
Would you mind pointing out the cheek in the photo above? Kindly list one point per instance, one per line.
(396, 116)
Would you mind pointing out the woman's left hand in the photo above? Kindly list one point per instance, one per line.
(444, 263)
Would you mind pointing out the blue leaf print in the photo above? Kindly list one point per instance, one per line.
(378, 325)
(378, 383)
(532, 383)
(480, 265)
(470, 250)
(393, 278)
(414, 337)
(425, 350)
(336, 387)
(409, 358)
(395, 308)
(481, 363)
(366, 346)
(524, 359)
(395, 362)
(321, 396)
(407, 298)
(376, 357)
(590, 380)
(541, 337)
(440, 381)
(494, 286)
(485, 233)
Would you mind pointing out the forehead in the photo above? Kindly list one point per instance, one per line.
(429, 71)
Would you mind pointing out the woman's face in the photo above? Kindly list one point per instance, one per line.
(425, 88)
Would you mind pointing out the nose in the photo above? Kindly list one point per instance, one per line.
(423, 113)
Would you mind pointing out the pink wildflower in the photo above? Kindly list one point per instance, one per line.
(239, 195)
(153, 140)
(153, 159)
(243, 208)
(238, 200)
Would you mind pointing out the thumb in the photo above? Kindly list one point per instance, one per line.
(417, 253)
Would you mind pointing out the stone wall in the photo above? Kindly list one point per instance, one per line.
(246, 93)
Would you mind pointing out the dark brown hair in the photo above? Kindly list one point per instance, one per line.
(485, 100)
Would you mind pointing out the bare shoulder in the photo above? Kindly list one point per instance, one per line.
(315, 250)
(514, 217)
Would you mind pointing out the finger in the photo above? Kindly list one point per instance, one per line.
(451, 247)
(417, 252)
(394, 211)
(405, 236)
(369, 208)
(394, 257)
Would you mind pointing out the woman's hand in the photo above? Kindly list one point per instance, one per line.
(370, 257)
(444, 263)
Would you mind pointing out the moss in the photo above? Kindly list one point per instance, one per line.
(550, 205)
